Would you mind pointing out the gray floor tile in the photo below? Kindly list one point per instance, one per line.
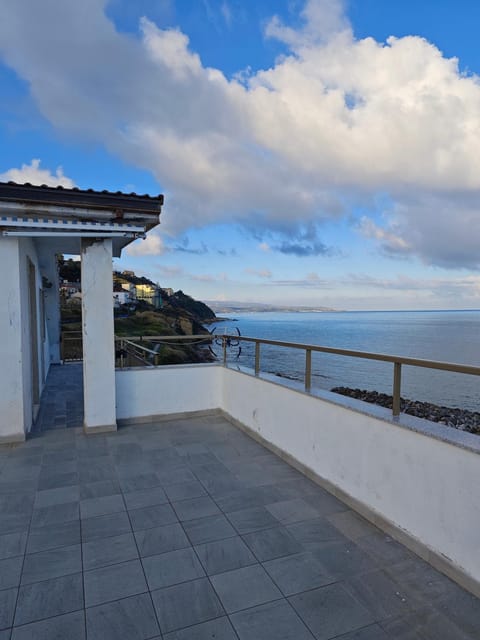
(380, 595)
(10, 570)
(290, 511)
(51, 564)
(89, 473)
(195, 508)
(154, 516)
(270, 622)
(99, 489)
(8, 599)
(102, 506)
(297, 573)
(185, 490)
(170, 537)
(61, 495)
(342, 560)
(461, 607)
(12, 544)
(5, 634)
(131, 618)
(69, 625)
(175, 476)
(351, 524)
(113, 582)
(49, 598)
(426, 624)
(105, 526)
(55, 514)
(248, 520)
(209, 529)
(324, 503)
(330, 611)
(219, 629)
(52, 480)
(224, 555)
(372, 632)
(248, 498)
(15, 504)
(145, 498)
(53, 536)
(106, 551)
(16, 523)
(244, 588)
(269, 544)
(383, 549)
(184, 605)
(140, 481)
(172, 568)
(313, 533)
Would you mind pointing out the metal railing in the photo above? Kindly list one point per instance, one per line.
(397, 361)
(130, 349)
(71, 346)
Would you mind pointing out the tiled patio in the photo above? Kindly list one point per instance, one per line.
(189, 530)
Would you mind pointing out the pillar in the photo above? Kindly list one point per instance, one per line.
(12, 402)
(98, 336)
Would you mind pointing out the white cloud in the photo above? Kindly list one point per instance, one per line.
(333, 123)
(33, 174)
(152, 245)
(260, 273)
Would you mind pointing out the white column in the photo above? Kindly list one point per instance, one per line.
(12, 414)
(98, 337)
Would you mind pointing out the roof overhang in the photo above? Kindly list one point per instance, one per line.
(65, 216)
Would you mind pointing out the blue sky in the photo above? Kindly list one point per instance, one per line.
(311, 152)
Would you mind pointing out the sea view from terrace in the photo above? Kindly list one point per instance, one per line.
(448, 336)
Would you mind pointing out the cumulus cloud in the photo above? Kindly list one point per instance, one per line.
(335, 121)
(33, 174)
(152, 245)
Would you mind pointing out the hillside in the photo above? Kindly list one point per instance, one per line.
(164, 313)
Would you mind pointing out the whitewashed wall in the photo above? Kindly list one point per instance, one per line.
(11, 374)
(168, 390)
(27, 251)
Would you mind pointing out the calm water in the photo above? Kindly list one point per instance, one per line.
(450, 336)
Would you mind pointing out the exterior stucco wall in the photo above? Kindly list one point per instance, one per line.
(16, 372)
(167, 390)
(11, 373)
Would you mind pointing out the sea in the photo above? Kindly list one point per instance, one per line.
(448, 336)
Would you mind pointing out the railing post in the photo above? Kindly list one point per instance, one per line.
(308, 369)
(224, 347)
(397, 381)
(257, 358)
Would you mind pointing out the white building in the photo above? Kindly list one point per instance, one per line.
(36, 224)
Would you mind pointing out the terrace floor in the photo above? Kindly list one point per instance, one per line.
(188, 530)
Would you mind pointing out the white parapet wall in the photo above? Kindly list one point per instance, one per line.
(145, 393)
(414, 484)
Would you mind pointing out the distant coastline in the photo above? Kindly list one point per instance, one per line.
(259, 307)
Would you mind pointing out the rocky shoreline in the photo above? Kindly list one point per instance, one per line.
(451, 417)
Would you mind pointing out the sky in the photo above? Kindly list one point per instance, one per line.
(311, 152)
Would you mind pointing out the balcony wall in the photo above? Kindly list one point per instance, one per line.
(416, 480)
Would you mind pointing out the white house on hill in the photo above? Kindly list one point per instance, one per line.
(36, 224)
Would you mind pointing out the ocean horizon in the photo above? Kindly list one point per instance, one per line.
(445, 335)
